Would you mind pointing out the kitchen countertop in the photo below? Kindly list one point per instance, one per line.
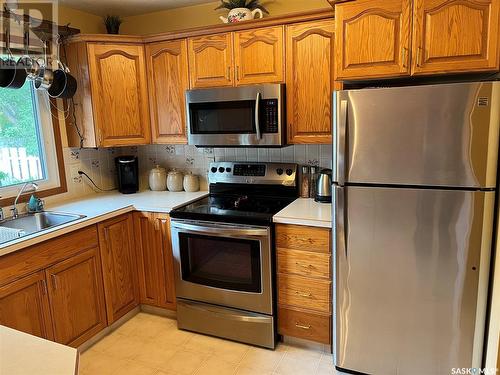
(22, 354)
(305, 211)
(99, 207)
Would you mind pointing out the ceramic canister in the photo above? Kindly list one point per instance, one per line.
(158, 179)
(191, 182)
(175, 180)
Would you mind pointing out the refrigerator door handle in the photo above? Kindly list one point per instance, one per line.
(340, 220)
(341, 142)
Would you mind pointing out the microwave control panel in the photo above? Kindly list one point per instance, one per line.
(269, 116)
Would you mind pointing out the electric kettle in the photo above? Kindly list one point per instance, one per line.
(324, 187)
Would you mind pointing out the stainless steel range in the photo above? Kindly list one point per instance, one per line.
(224, 254)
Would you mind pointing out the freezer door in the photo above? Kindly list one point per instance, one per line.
(436, 135)
(411, 271)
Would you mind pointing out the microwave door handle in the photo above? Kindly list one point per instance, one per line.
(257, 116)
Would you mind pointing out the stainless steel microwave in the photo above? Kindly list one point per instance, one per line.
(239, 116)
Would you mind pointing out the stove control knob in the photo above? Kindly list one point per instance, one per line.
(289, 172)
(228, 170)
(222, 169)
(279, 171)
(214, 169)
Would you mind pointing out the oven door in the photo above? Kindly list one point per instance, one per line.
(223, 264)
(241, 116)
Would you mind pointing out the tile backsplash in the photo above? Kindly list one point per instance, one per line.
(99, 163)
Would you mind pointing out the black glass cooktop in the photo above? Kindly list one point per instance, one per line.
(233, 208)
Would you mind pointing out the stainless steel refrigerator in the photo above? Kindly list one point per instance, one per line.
(414, 192)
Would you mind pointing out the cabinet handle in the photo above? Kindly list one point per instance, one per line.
(44, 287)
(404, 56)
(54, 281)
(304, 294)
(228, 73)
(419, 57)
(302, 326)
(308, 266)
(238, 73)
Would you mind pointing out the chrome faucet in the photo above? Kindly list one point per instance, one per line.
(33, 187)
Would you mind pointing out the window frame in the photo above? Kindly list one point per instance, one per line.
(58, 163)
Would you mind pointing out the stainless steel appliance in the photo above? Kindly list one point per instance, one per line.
(240, 116)
(224, 254)
(414, 192)
(324, 186)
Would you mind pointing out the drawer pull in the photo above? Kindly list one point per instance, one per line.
(304, 294)
(307, 266)
(302, 326)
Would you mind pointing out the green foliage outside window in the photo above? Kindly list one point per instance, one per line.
(18, 126)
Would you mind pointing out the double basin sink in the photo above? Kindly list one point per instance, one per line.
(25, 225)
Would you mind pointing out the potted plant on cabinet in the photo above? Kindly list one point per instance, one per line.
(241, 10)
(112, 24)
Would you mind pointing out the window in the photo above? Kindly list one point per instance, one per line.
(27, 141)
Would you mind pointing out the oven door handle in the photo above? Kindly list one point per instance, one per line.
(257, 116)
(224, 230)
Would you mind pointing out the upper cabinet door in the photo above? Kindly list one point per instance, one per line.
(373, 39)
(168, 81)
(455, 36)
(309, 81)
(211, 61)
(119, 94)
(259, 56)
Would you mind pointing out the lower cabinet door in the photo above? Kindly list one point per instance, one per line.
(24, 306)
(77, 298)
(147, 254)
(156, 269)
(119, 264)
(166, 262)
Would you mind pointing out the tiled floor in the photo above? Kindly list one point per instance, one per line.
(152, 345)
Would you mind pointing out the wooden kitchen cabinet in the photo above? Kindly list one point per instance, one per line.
(395, 38)
(309, 62)
(168, 79)
(156, 266)
(111, 104)
(455, 36)
(373, 39)
(211, 61)
(119, 265)
(305, 325)
(304, 282)
(24, 305)
(76, 297)
(235, 59)
(259, 56)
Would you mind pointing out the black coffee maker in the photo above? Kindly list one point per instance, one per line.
(128, 174)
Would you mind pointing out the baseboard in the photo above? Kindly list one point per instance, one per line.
(159, 311)
(306, 344)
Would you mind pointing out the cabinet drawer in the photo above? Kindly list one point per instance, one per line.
(298, 237)
(37, 257)
(304, 263)
(305, 325)
(296, 291)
